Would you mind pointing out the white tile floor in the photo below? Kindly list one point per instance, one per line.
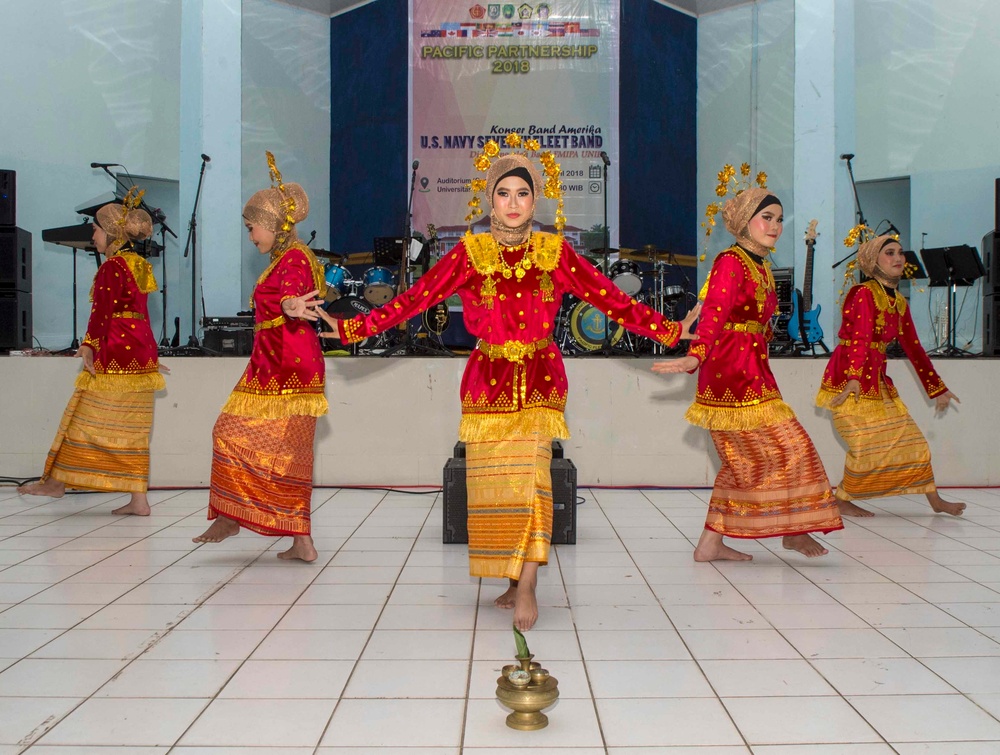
(119, 635)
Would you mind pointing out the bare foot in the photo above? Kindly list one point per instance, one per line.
(711, 548)
(302, 549)
(941, 506)
(507, 599)
(804, 545)
(847, 508)
(220, 529)
(137, 506)
(525, 604)
(51, 488)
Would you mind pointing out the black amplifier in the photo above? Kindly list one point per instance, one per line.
(455, 504)
(230, 336)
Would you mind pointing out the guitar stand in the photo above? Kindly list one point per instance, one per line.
(800, 348)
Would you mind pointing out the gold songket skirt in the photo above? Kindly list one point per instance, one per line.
(772, 483)
(509, 484)
(886, 454)
(103, 442)
(262, 473)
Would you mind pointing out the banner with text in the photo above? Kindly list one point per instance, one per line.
(547, 71)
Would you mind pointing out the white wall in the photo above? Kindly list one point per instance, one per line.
(928, 107)
(286, 109)
(84, 82)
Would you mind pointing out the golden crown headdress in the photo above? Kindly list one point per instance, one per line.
(858, 235)
(729, 184)
(527, 147)
(287, 200)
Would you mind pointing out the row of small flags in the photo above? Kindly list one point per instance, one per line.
(529, 29)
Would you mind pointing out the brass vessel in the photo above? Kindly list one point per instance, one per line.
(527, 688)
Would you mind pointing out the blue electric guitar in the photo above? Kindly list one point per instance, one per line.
(803, 324)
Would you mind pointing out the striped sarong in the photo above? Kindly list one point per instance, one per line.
(886, 455)
(509, 485)
(103, 442)
(772, 483)
(262, 473)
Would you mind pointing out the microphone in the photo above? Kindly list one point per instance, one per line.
(894, 229)
(605, 159)
(105, 165)
(206, 158)
(416, 164)
(847, 156)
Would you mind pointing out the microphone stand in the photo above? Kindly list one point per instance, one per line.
(406, 347)
(859, 215)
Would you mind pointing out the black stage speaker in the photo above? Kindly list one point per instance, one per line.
(8, 197)
(229, 341)
(15, 319)
(991, 261)
(15, 259)
(455, 504)
(991, 325)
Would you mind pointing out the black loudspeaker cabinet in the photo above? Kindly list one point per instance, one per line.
(455, 504)
(991, 325)
(15, 319)
(229, 342)
(8, 197)
(991, 262)
(15, 259)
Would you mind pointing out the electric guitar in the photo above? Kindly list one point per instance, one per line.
(803, 324)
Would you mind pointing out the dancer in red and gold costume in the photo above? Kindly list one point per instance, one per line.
(103, 438)
(262, 460)
(772, 482)
(886, 452)
(511, 282)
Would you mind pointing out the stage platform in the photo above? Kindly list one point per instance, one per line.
(394, 421)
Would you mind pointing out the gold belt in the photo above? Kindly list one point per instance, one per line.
(513, 351)
(879, 346)
(279, 320)
(746, 327)
(128, 316)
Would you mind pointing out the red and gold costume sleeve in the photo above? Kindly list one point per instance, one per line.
(584, 280)
(928, 376)
(736, 388)
(436, 285)
(125, 352)
(286, 375)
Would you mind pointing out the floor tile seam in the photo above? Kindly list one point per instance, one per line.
(371, 632)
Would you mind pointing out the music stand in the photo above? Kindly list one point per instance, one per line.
(952, 266)
(387, 251)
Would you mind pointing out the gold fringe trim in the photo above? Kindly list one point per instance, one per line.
(127, 383)
(739, 418)
(481, 427)
(862, 407)
(276, 407)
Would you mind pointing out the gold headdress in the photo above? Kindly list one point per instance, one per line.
(551, 189)
(869, 245)
(125, 222)
(729, 184)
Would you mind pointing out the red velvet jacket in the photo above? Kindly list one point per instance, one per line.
(871, 321)
(515, 380)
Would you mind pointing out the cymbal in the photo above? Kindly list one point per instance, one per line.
(603, 251)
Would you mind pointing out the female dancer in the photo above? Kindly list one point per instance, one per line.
(772, 482)
(511, 281)
(103, 438)
(262, 458)
(886, 452)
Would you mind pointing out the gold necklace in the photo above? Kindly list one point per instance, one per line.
(521, 267)
(763, 283)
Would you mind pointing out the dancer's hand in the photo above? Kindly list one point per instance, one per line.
(302, 307)
(942, 402)
(332, 324)
(853, 387)
(672, 366)
(687, 324)
(163, 368)
(86, 353)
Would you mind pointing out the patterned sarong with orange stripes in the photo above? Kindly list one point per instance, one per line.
(509, 485)
(886, 455)
(262, 473)
(772, 483)
(103, 442)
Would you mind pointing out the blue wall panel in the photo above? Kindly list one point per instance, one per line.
(658, 93)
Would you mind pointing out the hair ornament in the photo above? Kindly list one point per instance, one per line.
(729, 184)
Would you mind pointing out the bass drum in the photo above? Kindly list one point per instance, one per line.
(586, 327)
(345, 308)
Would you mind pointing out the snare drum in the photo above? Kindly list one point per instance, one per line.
(380, 285)
(673, 292)
(627, 275)
(337, 280)
(586, 325)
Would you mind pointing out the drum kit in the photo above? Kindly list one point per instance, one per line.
(582, 328)
(348, 297)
